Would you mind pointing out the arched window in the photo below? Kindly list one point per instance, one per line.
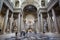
(17, 4)
(42, 2)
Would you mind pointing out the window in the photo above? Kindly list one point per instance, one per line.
(17, 4)
(42, 2)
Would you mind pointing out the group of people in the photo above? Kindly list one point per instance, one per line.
(25, 33)
(22, 33)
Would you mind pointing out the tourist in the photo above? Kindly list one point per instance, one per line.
(23, 33)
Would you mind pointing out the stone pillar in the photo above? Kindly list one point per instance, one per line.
(54, 17)
(11, 21)
(49, 22)
(6, 19)
(19, 22)
(41, 22)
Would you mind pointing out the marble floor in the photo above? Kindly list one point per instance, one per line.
(38, 36)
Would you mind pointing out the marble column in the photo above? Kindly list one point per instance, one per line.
(41, 22)
(22, 23)
(25, 24)
(49, 22)
(35, 25)
(54, 19)
(11, 21)
(6, 19)
(19, 22)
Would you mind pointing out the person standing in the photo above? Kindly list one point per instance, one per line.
(16, 35)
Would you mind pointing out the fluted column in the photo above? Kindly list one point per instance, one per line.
(41, 22)
(49, 22)
(11, 21)
(54, 17)
(6, 19)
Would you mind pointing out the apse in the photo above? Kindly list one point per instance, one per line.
(30, 14)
